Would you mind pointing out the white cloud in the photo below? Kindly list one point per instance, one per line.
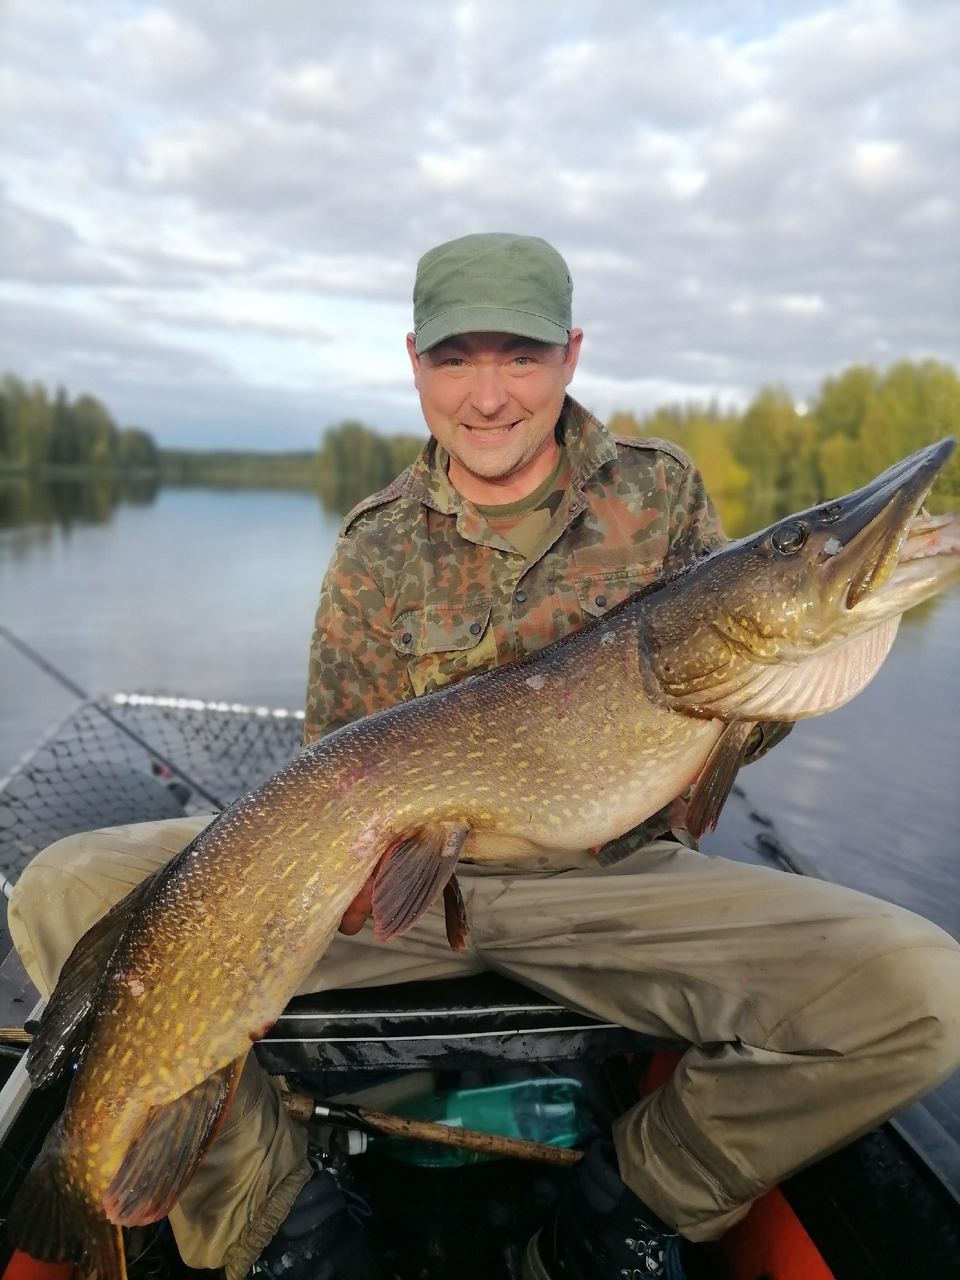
(313, 87)
(744, 194)
(878, 165)
(158, 50)
(801, 304)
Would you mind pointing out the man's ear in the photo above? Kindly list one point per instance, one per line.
(574, 343)
(414, 358)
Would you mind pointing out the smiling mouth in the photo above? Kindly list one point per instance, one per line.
(491, 432)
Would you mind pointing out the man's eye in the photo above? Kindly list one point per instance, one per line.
(453, 362)
(523, 361)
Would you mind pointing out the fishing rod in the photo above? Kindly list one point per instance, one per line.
(301, 1106)
(55, 673)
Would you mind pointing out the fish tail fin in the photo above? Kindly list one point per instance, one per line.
(50, 1222)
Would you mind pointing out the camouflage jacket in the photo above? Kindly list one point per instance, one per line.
(421, 591)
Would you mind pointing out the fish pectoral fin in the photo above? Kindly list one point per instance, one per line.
(66, 1020)
(717, 777)
(411, 875)
(172, 1141)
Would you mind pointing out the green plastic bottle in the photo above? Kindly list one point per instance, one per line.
(548, 1109)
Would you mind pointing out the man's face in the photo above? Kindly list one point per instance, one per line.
(492, 400)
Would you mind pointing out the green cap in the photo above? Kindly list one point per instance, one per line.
(492, 283)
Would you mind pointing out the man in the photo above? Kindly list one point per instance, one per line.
(811, 1011)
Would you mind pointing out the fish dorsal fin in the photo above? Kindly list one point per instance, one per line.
(411, 876)
(66, 1019)
(717, 777)
(171, 1143)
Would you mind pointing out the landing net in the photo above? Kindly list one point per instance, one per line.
(89, 773)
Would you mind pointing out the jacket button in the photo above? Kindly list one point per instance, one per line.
(600, 601)
(406, 638)
(475, 628)
(521, 597)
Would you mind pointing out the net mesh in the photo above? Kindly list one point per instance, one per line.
(90, 773)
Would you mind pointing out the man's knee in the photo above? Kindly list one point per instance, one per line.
(77, 875)
(50, 909)
(884, 956)
(897, 1000)
(46, 877)
(73, 882)
(922, 984)
(61, 853)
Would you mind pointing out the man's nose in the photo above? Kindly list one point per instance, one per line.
(489, 392)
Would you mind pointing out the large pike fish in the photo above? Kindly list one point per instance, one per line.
(160, 1002)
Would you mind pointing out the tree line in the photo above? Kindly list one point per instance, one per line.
(355, 461)
(777, 456)
(770, 458)
(39, 431)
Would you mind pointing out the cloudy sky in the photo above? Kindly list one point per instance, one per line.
(212, 209)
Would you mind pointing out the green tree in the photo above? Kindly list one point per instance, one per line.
(866, 421)
(12, 393)
(915, 405)
(136, 450)
(37, 433)
(355, 461)
(64, 444)
(843, 401)
(96, 432)
(404, 451)
(36, 422)
(776, 445)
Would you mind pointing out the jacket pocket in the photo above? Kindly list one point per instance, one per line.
(598, 593)
(443, 644)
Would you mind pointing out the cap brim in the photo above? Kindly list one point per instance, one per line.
(522, 324)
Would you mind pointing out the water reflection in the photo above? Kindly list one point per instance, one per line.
(63, 502)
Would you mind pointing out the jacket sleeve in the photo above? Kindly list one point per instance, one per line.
(695, 527)
(353, 668)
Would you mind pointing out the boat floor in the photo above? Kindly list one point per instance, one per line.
(873, 1212)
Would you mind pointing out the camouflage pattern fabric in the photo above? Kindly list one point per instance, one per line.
(421, 590)
(524, 523)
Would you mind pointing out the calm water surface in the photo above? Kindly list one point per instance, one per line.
(211, 593)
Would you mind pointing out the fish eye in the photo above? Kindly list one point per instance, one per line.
(830, 513)
(789, 538)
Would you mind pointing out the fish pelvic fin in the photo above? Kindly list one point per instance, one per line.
(455, 915)
(66, 1020)
(717, 777)
(412, 875)
(172, 1141)
(52, 1223)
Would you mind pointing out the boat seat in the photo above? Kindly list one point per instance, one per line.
(455, 1023)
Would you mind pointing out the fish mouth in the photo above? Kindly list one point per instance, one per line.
(868, 528)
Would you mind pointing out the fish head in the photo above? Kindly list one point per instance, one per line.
(808, 586)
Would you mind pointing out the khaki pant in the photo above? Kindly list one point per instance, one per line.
(812, 1012)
